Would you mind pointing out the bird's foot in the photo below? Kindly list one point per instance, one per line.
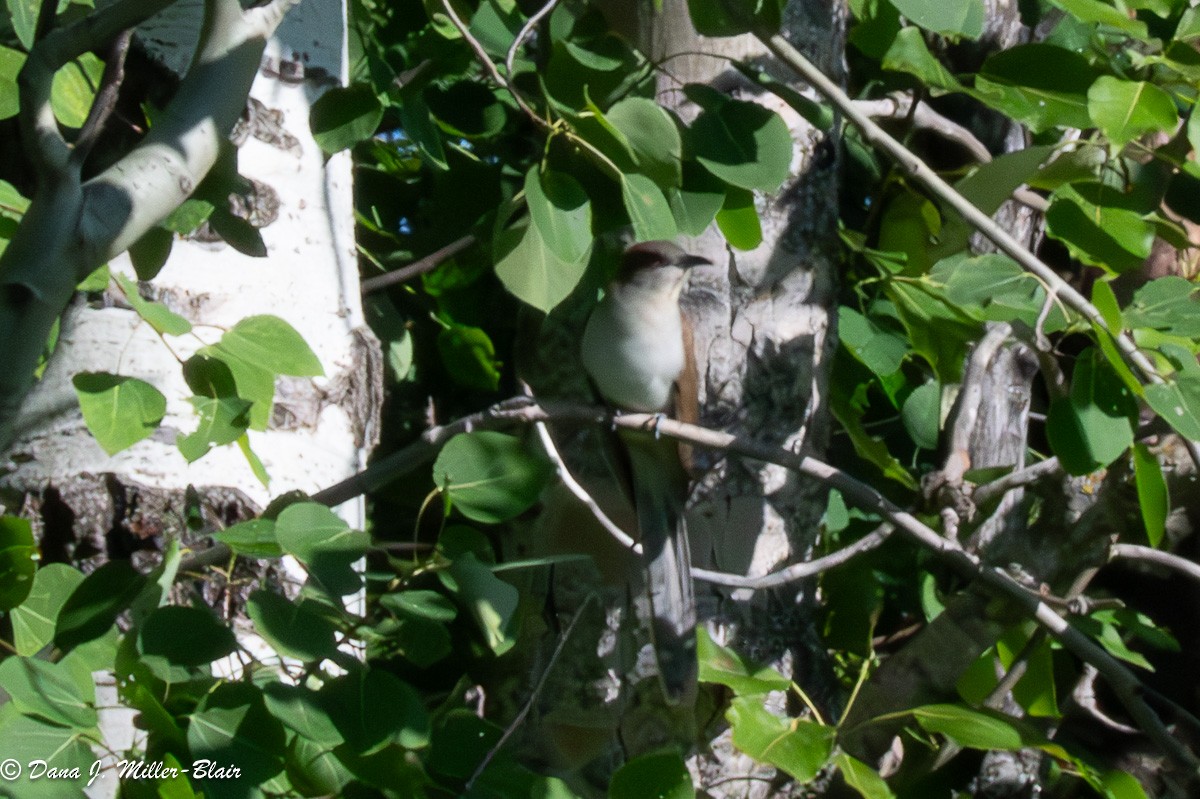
(658, 420)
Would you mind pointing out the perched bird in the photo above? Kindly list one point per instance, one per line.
(634, 349)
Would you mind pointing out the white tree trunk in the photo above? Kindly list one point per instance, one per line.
(321, 428)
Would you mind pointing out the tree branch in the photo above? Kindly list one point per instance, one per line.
(71, 228)
(1155, 557)
(418, 268)
(44, 142)
(106, 98)
(924, 175)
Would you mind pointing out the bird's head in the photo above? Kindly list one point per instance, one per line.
(657, 266)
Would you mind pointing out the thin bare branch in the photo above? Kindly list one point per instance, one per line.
(44, 142)
(106, 98)
(923, 174)
(533, 695)
(487, 63)
(523, 34)
(799, 571)
(420, 267)
(899, 105)
(1155, 557)
(1018, 479)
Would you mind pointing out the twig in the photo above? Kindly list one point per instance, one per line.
(420, 267)
(799, 571)
(1018, 479)
(899, 105)
(1156, 557)
(581, 493)
(44, 142)
(537, 689)
(924, 175)
(1128, 689)
(523, 34)
(488, 65)
(106, 98)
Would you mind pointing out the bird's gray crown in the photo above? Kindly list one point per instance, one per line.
(655, 254)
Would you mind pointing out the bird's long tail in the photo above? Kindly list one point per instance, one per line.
(659, 493)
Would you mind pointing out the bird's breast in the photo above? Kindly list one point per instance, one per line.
(634, 352)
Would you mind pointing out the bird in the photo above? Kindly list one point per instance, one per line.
(635, 347)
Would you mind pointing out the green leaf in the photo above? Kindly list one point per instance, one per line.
(1091, 428)
(18, 554)
(191, 214)
(27, 739)
(743, 144)
(800, 748)
(733, 17)
(880, 350)
(1106, 303)
(372, 708)
(921, 414)
(290, 627)
(93, 607)
(469, 355)
(947, 17)
(418, 124)
(648, 210)
(993, 287)
(34, 620)
(490, 477)
(149, 254)
(271, 344)
(460, 743)
(1167, 304)
(309, 530)
(73, 90)
(1125, 110)
(46, 690)
(231, 725)
(863, 778)
(1105, 14)
(301, 710)
(467, 109)
(1153, 499)
(661, 774)
(420, 603)
(1119, 785)
(185, 636)
(1088, 218)
(1039, 84)
(697, 202)
(119, 411)
(156, 314)
(653, 139)
(223, 420)
(24, 14)
(491, 601)
(978, 729)
(255, 350)
(11, 62)
(562, 212)
(254, 538)
(908, 53)
(738, 219)
(342, 117)
(533, 266)
(988, 187)
(1178, 402)
(723, 666)
(870, 448)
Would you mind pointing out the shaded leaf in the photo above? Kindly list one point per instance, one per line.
(119, 411)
